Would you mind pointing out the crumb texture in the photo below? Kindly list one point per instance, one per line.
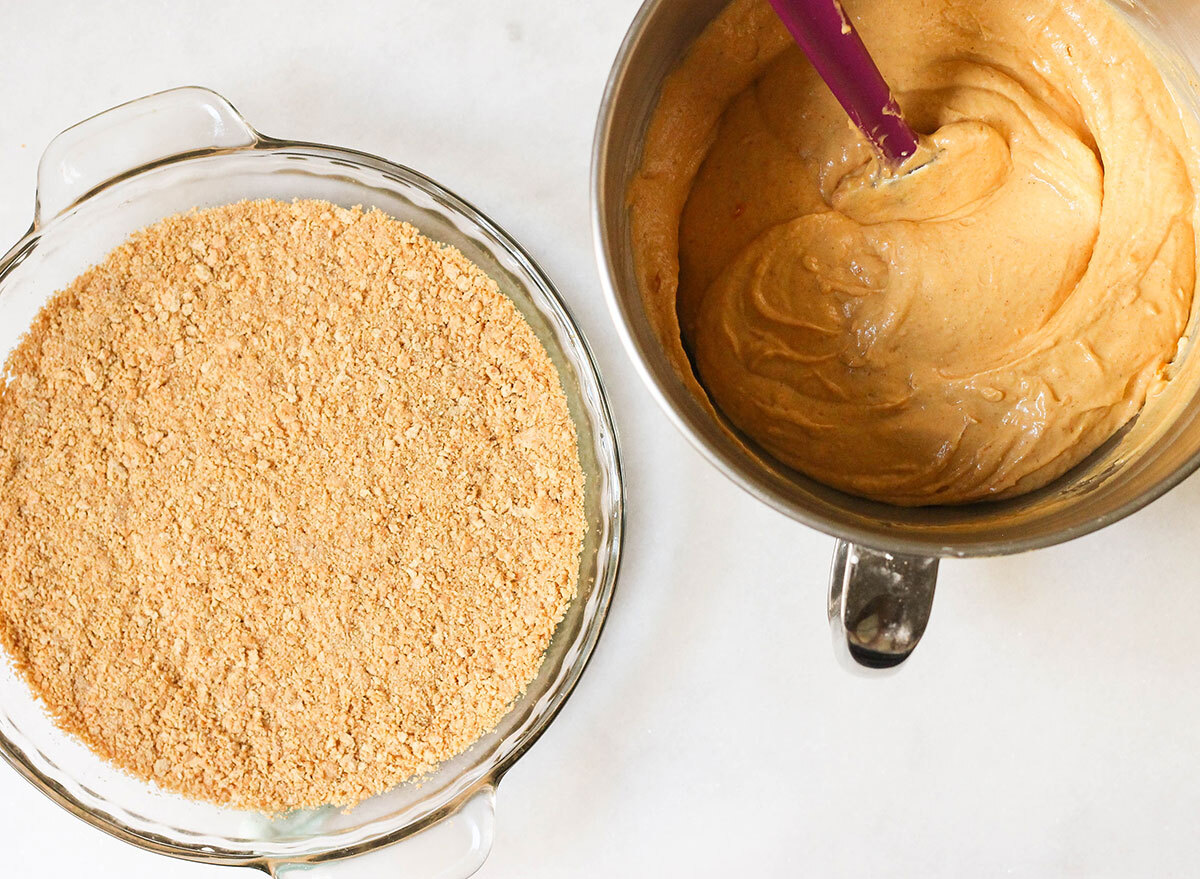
(290, 504)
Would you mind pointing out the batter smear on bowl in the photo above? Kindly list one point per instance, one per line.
(967, 331)
(290, 504)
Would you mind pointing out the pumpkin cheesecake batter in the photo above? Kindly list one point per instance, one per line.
(968, 330)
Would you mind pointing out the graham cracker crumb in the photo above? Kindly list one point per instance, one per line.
(290, 504)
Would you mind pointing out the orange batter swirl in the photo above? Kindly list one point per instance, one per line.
(968, 330)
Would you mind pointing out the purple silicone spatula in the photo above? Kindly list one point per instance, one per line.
(826, 35)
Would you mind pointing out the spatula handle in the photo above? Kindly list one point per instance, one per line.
(827, 36)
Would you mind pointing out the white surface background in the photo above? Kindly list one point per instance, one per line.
(1046, 726)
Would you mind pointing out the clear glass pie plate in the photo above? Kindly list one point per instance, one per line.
(130, 166)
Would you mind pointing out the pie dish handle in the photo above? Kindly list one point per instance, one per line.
(111, 144)
(453, 848)
(879, 605)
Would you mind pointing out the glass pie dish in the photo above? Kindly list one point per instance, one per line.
(130, 166)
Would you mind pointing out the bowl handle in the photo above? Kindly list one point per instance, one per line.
(453, 848)
(110, 144)
(879, 604)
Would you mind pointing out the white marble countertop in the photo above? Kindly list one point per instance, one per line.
(1045, 727)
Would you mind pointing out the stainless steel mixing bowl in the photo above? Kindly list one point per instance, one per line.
(885, 563)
